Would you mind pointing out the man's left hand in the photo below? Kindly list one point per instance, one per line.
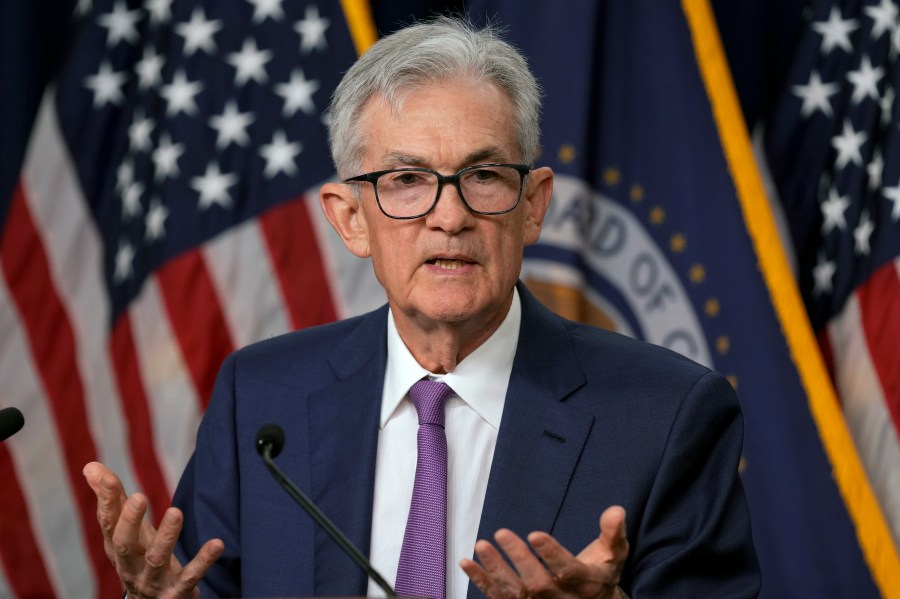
(592, 574)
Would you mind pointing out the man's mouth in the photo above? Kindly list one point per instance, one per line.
(448, 264)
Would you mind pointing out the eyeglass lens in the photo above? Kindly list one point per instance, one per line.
(485, 189)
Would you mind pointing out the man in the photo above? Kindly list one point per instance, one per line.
(547, 423)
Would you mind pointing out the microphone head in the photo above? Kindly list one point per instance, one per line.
(11, 421)
(270, 435)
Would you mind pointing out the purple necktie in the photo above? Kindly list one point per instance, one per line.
(423, 558)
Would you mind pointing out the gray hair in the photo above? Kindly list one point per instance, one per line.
(426, 53)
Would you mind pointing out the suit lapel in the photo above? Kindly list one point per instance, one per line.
(540, 437)
(343, 420)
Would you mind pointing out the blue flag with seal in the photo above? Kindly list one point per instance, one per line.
(660, 228)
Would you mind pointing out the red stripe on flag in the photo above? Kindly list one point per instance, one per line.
(19, 551)
(53, 348)
(137, 413)
(197, 319)
(291, 241)
(879, 305)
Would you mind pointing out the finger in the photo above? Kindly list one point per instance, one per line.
(566, 569)
(127, 535)
(196, 569)
(502, 579)
(159, 551)
(476, 574)
(613, 534)
(110, 495)
(531, 571)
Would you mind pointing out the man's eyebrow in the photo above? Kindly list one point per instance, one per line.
(402, 159)
(488, 154)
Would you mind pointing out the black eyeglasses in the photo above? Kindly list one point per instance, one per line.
(407, 193)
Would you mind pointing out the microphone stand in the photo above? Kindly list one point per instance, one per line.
(322, 520)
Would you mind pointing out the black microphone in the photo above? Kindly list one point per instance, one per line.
(269, 443)
(11, 421)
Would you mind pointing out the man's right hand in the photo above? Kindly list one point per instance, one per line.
(141, 554)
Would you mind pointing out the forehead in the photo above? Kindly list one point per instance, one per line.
(442, 124)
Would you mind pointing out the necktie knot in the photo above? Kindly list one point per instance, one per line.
(429, 397)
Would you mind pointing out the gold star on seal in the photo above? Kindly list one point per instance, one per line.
(678, 243)
(636, 193)
(723, 344)
(612, 176)
(657, 215)
(697, 273)
(711, 307)
(566, 153)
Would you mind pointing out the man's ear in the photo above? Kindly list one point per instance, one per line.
(343, 210)
(536, 195)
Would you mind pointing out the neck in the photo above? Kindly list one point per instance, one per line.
(440, 346)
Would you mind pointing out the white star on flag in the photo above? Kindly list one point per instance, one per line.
(160, 11)
(155, 222)
(887, 104)
(120, 24)
(180, 94)
(823, 273)
(124, 259)
(862, 233)
(231, 126)
(836, 31)
(139, 132)
(848, 145)
(124, 175)
(165, 157)
(865, 81)
(250, 63)
(106, 85)
(815, 95)
(149, 69)
(280, 155)
(875, 169)
(266, 9)
(131, 200)
(885, 17)
(833, 211)
(893, 194)
(213, 187)
(198, 33)
(297, 93)
(312, 30)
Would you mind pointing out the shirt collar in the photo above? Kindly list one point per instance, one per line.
(480, 380)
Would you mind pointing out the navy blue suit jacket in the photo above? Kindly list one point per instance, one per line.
(591, 419)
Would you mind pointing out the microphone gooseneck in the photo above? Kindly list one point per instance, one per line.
(11, 422)
(269, 443)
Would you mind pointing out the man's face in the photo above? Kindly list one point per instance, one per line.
(451, 265)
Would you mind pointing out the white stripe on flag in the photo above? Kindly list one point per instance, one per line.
(5, 589)
(241, 270)
(866, 412)
(171, 395)
(39, 462)
(75, 255)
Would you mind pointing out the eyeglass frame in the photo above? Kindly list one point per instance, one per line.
(522, 169)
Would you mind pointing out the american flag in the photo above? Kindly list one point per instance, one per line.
(833, 146)
(166, 214)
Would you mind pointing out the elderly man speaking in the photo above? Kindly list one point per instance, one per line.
(462, 410)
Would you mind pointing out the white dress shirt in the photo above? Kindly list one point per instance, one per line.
(472, 422)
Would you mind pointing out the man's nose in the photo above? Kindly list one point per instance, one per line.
(450, 213)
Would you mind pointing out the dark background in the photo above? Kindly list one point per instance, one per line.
(758, 36)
